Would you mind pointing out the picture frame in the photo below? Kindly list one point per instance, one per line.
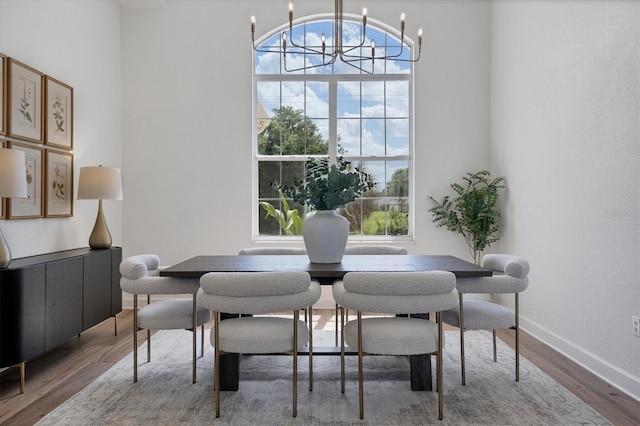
(24, 105)
(3, 201)
(58, 113)
(59, 184)
(32, 206)
(3, 94)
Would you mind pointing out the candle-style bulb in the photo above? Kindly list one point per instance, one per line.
(284, 42)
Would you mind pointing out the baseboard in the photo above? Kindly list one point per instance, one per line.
(611, 374)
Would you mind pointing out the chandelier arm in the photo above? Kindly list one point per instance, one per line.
(308, 67)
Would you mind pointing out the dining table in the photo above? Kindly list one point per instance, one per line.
(325, 274)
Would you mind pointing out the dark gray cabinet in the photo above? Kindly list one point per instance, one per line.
(47, 299)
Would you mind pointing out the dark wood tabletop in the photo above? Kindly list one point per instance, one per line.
(200, 265)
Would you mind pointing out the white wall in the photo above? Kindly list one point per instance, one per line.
(187, 97)
(565, 132)
(77, 42)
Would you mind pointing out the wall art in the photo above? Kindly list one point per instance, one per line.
(25, 101)
(30, 207)
(58, 113)
(59, 184)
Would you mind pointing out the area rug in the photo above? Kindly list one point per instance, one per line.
(164, 394)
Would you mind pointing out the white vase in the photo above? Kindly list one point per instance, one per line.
(325, 236)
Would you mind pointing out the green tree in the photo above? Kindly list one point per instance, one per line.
(398, 185)
(291, 133)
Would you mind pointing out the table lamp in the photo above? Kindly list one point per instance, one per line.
(100, 183)
(13, 183)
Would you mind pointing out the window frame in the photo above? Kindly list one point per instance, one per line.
(333, 80)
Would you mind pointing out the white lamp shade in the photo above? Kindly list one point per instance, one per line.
(13, 174)
(100, 183)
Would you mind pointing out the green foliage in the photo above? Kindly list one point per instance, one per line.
(393, 222)
(291, 133)
(473, 212)
(290, 220)
(329, 187)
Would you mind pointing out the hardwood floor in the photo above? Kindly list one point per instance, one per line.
(61, 373)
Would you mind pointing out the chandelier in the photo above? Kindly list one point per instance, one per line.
(353, 55)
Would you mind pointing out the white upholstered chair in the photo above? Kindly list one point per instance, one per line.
(395, 293)
(259, 293)
(373, 249)
(275, 251)
(140, 276)
(509, 276)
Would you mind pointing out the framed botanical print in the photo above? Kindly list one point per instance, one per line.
(30, 207)
(59, 184)
(25, 101)
(58, 114)
(3, 207)
(3, 95)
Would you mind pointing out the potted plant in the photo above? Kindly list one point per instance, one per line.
(473, 212)
(326, 188)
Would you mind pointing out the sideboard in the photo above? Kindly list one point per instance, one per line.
(47, 299)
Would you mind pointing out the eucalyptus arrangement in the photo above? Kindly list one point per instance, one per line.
(472, 212)
(328, 187)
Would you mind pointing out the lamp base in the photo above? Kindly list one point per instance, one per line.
(100, 237)
(5, 252)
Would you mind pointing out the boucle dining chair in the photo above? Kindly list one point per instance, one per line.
(275, 251)
(256, 294)
(395, 293)
(272, 250)
(509, 276)
(140, 276)
(372, 249)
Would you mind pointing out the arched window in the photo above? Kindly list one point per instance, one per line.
(336, 111)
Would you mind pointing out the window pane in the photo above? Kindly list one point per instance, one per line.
(373, 137)
(317, 101)
(268, 174)
(268, 94)
(397, 132)
(348, 99)
(349, 135)
(293, 94)
(397, 99)
(373, 99)
(397, 184)
(268, 225)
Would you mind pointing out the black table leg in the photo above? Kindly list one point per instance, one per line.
(229, 365)
(420, 372)
(229, 372)
(421, 379)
